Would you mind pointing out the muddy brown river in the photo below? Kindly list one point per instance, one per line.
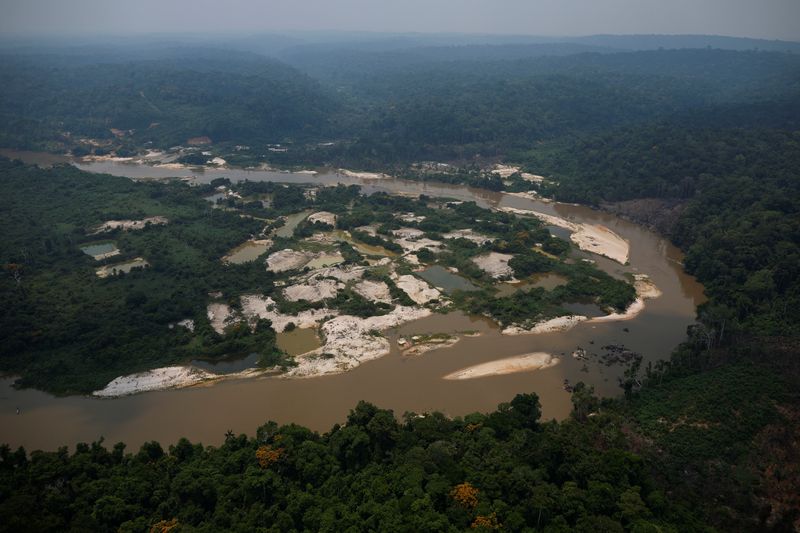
(205, 413)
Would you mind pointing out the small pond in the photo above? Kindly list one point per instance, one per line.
(325, 261)
(100, 250)
(442, 278)
(287, 230)
(298, 341)
(246, 252)
(546, 280)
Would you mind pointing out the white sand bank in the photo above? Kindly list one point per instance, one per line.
(156, 379)
(509, 365)
(561, 323)
(350, 341)
(363, 175)
(593, 238)
(417, 290)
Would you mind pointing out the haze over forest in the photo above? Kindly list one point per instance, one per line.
(443, 265)
(765, 19)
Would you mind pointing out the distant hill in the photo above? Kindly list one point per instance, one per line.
(177, 93)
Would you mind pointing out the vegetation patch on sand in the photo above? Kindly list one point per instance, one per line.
(495, 264)
(593, 238)
(121, 268)
(420, 344)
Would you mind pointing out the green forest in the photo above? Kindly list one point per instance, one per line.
(708, 138)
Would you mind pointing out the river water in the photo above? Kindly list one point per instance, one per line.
(205, 413)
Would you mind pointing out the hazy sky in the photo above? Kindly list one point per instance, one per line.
(772, 19)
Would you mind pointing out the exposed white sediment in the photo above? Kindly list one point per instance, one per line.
(128, 225)
(411, 217)
(325, 217)
(509, 365)
(363, 175)
(469, 235)
(560, 323)
(495, 264)
(315, 290)
(255, 306)
(645, 290)
(156, 379)
(287, 259)
(376, 291)
(219, 315)
(408, 233)
(350, 341)
(417, 290)
(506, 171)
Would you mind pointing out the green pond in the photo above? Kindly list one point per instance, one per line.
(244, 253)
(547, 281)
(287, 230)
(442, 278)
(99, 249)
(325, 261)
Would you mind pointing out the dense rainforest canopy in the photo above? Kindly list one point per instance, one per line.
(708, 137)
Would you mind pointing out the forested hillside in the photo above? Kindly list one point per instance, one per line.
(222, 96)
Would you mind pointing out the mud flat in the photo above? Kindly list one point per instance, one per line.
(510, 365)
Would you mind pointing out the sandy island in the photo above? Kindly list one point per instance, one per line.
(593, 238)
(363, 175)
(510, 365)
